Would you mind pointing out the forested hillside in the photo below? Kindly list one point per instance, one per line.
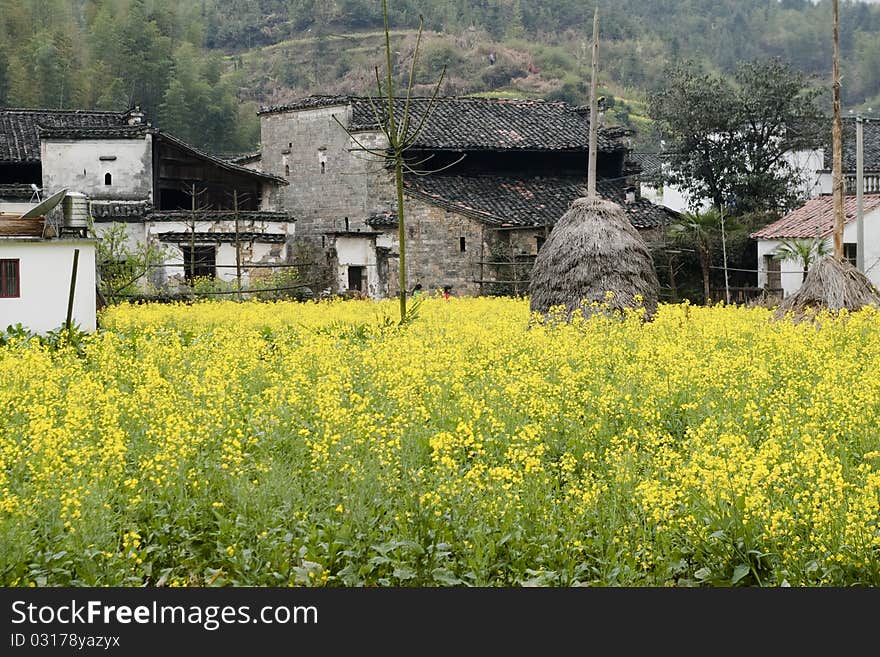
(200, 68)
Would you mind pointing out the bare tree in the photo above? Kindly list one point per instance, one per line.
(401, 131)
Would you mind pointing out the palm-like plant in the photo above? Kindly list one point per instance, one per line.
(699, 230)
(804, 251)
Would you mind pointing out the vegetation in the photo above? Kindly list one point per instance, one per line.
(727, 142)
(201, 67)
(124, 267)
(286, 444)
(804, 252)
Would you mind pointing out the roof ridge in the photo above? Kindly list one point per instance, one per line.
(47, 110)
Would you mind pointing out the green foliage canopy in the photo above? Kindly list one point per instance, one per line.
(727, 141)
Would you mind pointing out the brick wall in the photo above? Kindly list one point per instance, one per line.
(331, 178)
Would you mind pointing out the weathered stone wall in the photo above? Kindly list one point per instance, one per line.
(331, 178)
(433, 250)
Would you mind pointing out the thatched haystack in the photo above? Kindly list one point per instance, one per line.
(833, 285)
(593, 250)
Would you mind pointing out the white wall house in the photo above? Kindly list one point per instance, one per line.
(100, 168)
(143, 178)
(35, 275)
(807, 163)
(815, 219)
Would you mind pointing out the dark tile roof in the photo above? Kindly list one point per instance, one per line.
(19, 128)
(309, 102)
(871, 135)
(16, 191)
(245, 158)
(119, 211)
(815, 218)
(382, 219)
(183, 237)
(650, 165)
(116, 132)
(521, 202)
(22, 129)
(461, 123)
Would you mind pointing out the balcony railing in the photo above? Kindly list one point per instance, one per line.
(872, 183)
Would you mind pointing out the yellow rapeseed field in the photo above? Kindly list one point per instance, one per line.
(321, 444)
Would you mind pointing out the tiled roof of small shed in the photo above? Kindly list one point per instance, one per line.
(815, 218)
(20, 129)
(459, 123)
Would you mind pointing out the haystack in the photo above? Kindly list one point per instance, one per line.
(594, 250)
(833, 285)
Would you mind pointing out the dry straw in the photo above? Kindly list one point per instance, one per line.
(831, 285)
(595, 261)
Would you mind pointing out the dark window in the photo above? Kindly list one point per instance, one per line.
(462, 244)
(774, 275)
(9, 279)
(356, 276)
(287, 170)
(323, 167)
(539, 241)
(174, 199)
(108, 179)
(850, 252)
(199, 261)
(346, 225)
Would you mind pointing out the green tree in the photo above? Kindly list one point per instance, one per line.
(803, 251)
(728, 140)
(4, 77)
(121, 265)
(699, 231)
(200, 106)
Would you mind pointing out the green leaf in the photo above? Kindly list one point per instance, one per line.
(404, 572)
(446, 577)
(739, 572)
(703, 573)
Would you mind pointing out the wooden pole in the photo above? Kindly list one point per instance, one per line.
(837, 147)
(860, 193)
(69, 323)
(594, 110)
(192, 241)
(237, 245)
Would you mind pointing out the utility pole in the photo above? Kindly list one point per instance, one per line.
(860, 193)
(837, 147)
(724, 255)
(594, 111)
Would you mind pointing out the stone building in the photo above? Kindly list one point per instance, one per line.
(499, 174)
(145, 179)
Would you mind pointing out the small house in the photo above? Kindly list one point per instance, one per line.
(37, 266)
(811, 221)
(210, 214)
